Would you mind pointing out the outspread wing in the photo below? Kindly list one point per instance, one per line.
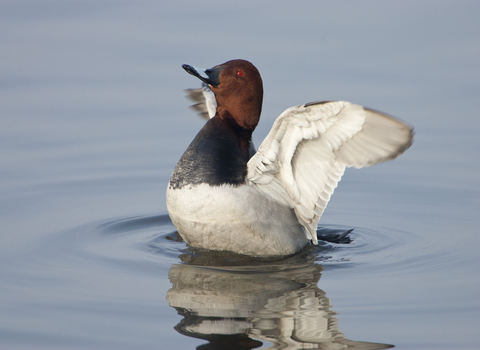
(206, 104)
(304, 156)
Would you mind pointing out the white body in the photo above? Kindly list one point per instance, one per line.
(240, 219)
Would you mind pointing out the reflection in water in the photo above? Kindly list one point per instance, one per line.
(276, 303)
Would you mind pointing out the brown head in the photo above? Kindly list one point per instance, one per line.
(238, 89)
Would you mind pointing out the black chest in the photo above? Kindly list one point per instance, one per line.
(217, 156)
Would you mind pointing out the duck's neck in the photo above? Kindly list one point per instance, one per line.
(244, 110)
(241, 118)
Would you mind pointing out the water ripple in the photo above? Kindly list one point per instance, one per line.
(135, 241)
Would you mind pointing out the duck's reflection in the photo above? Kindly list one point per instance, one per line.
(278, 303)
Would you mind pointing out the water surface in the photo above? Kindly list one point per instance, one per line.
(94, 120)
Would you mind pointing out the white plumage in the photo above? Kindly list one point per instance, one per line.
(304, 156)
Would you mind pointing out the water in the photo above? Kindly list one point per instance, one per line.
(93, 120)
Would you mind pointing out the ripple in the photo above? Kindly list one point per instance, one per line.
(389, 250)
(122, 243)
(143, 242)
(136, 223)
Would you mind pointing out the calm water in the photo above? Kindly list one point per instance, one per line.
(93, 120)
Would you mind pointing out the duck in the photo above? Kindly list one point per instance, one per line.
(225, 196)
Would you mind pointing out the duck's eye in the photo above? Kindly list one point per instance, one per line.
(239, 73)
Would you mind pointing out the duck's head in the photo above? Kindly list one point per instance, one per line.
(238, 89)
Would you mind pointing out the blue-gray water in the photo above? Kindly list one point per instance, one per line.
(93, 120)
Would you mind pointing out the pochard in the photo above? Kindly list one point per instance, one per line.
(224, 196)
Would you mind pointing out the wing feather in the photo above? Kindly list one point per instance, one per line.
(206, 104)
(304, 156)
